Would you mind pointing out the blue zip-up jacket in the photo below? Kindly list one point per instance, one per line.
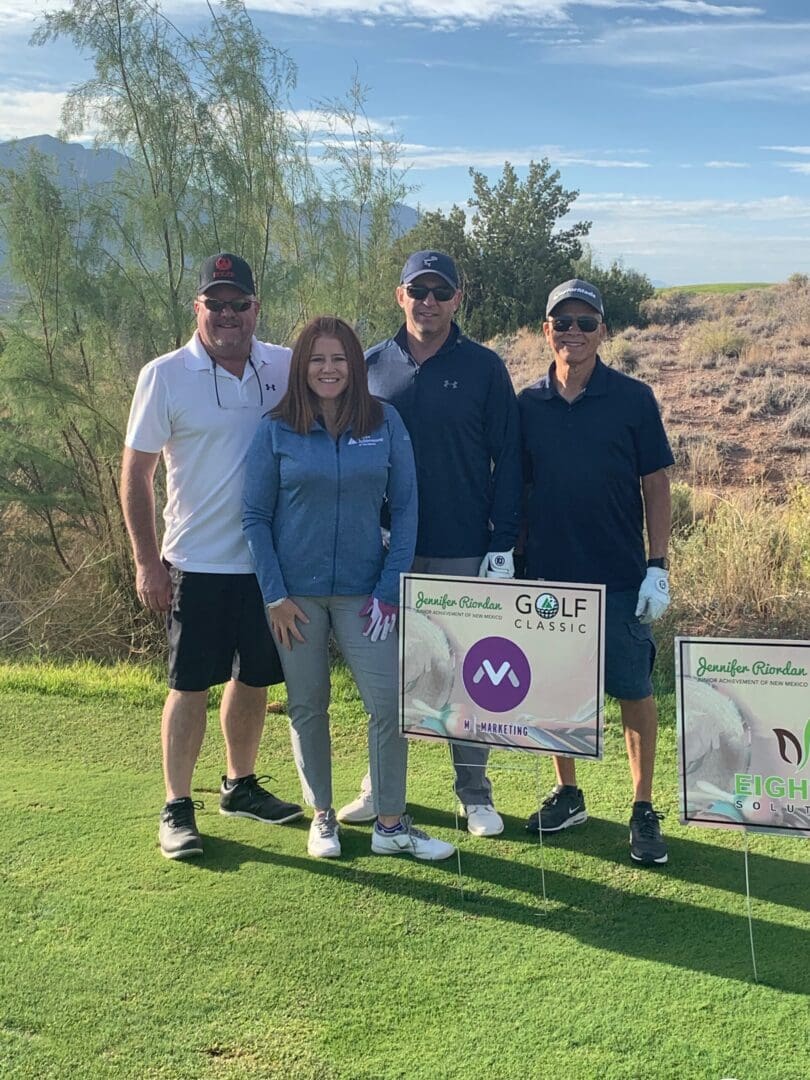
(462, 415)
(311, 510)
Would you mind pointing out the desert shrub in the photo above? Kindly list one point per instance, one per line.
(689, 507)
(525, 354)
(620, 353)
(670, 308)
(798, 281)
(698, 458)
(777, 394)
(798, 423)
(713, 341)
(742, 570)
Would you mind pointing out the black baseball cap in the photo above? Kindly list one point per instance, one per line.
(576, 289)
(429, 262)
(226, 269)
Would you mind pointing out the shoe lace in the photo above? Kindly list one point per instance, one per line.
(647, 824)
(325, 826)
(182, 814)
(411, 829)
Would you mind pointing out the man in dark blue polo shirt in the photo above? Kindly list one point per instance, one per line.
(458, 404)
(595, 460)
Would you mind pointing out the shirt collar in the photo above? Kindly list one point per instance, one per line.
(596, 386)
(197, 359)
(450, 342)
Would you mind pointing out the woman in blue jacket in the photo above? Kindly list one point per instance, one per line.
(317, 473)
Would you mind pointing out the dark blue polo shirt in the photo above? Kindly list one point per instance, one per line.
(461, 413)
(583, 463)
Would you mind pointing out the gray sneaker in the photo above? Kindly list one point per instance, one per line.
(324, 836)
(178, 834)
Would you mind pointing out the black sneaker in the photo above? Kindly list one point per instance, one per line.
(647, 845)
(249, 799)
(178, 834)
(563, 807)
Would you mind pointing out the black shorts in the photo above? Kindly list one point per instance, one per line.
(629, 648)
(217, 631)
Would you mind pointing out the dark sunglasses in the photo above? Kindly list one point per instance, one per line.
(237, 306)
(586, 323)
(442, 293)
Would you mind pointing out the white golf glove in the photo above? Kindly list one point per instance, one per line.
(653, 596)
(498, 564)
(382, 618)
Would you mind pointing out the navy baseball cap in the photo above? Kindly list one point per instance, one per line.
(576, 289)
(226, 269)
(429, 262)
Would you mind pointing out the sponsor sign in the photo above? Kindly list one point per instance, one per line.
(744, 733)
(512, 664)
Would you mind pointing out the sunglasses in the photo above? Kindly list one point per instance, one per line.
(237, 306)
(586, 323)
(442, 293)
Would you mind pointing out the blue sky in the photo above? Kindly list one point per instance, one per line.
(683, 123)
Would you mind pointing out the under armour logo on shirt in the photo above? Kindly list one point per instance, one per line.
(448, 385)
(269, 386)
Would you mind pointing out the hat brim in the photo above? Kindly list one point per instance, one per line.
(424, 273)
(218, 281)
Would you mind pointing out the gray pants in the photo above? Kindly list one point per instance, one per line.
(374, 667)
(469, 761)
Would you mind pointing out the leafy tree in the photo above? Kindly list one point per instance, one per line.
(513, 251)
(218, 162)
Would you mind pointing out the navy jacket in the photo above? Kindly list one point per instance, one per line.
(461, 412)
(311, 510)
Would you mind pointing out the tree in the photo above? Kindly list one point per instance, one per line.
(513, 252)
(218, 162)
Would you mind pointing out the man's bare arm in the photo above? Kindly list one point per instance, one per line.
(152, 582)
(657, 511)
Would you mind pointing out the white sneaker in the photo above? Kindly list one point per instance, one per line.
(410, 841)
(482, 819)
(359, 810)
(323, 842)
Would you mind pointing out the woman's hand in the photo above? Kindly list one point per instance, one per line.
(282, 622)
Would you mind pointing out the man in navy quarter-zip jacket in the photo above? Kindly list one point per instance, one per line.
(457, 401)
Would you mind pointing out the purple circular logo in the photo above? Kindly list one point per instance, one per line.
(496, 674)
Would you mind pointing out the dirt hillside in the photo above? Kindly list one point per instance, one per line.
(732, 376)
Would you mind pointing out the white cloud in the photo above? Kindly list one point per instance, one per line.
(317, 121)
(726, 164)
(731, 60)
(29, 112)
(788, 149)
(418, 156)
(802, 167)
(441, 14)
(657, 208)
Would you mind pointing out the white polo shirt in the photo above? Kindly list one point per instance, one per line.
(204, 442)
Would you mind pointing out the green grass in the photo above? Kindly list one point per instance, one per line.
(257, 961)
(718, 287)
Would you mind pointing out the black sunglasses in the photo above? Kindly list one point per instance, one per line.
(586, 323)
(237, 306)
(441, 292)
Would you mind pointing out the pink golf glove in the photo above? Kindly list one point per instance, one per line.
(382, 618)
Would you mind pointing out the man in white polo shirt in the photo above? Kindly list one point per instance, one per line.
(199, 407)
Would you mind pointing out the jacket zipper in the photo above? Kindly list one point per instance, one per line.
(337, 514)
